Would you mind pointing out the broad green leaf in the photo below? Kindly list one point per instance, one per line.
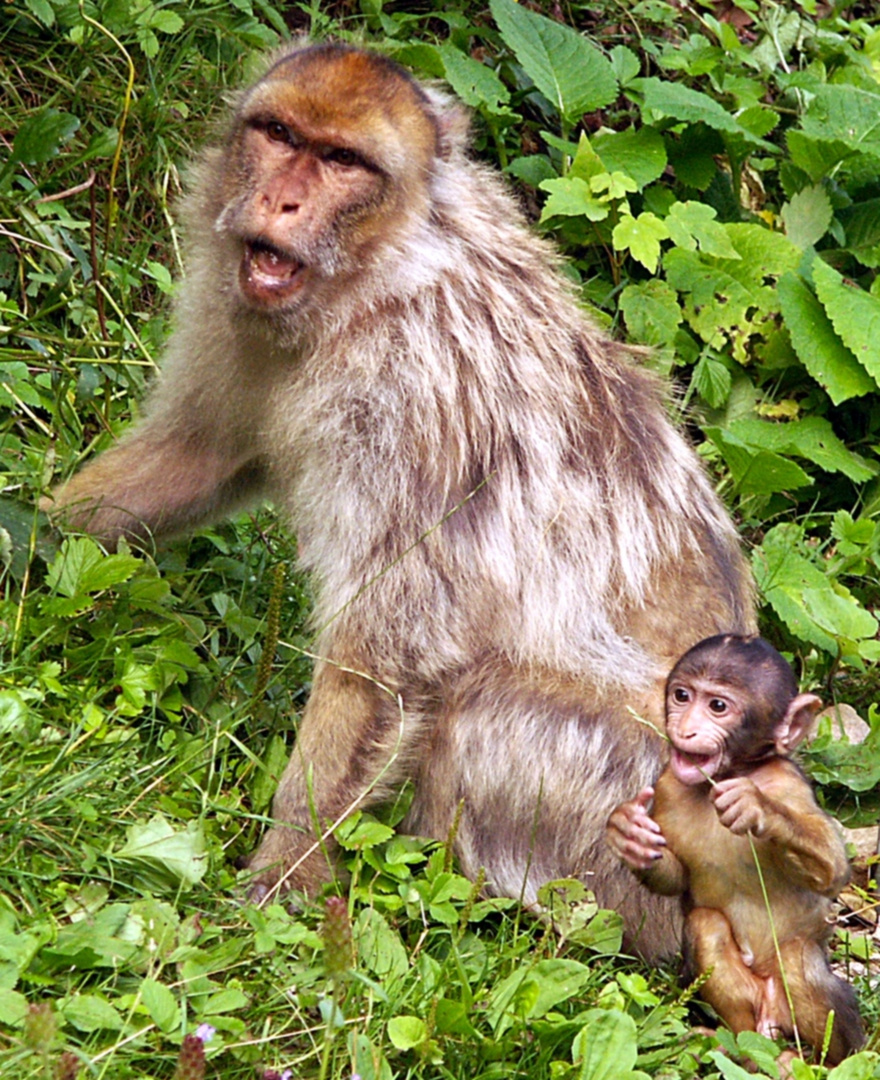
(586, 163)
(807, 216)
(729, 1069)
(795, 588)
(13, 1007)
(570, 72)
(571, 197)
(169, 22)
(224, 1001)
(606, 1047)
(682, 103)
(379, 947)
(641, 236)
(729, 300)
(362, 830)
(532, 991)
(862, 224)
(161, 1004)
(532, 169)
(640, 154)
(81, 568)
(369, 1062)
(87, 1012)
(42, 135)
(14, 713)
(43, 10)
(854, 313)
(407, 1032)
(651, 311)
(175, 856)
(845, 113)
(817, 157)
(838, 614)
(812, 438)
(693, 223)
(818, 347)
(625, 63)
(756, 471)
(858, 1067)
(712, 381)
(476, 84)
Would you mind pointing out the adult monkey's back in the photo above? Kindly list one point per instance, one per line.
(505, 529)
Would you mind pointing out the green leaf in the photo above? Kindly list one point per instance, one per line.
(570, 196)
(812, 438)
(606, 1046)
(169, 22)
(407, 1032)
(712, 381)
(693, 223)
(570, 72)
(640, 154)
(41, 137)
(43, 10)
(858, 1067)
(756, 471)
(807, 216)
(729, 1069)
(818, 347)
(159, 851)
(532, 169)
(817, 157)
(846, 114)
(13, 1007)
(625, 63)
(854, 313)
(88, 1012)
(161, 1004)
(81, 568)
(727, 301)
(682, 103)
(793, 586)
(532, 992)
(476, 84)
(380, 949)
(641, 236)
(651, 311)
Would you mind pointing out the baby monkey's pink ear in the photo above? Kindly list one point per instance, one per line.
(797, 723)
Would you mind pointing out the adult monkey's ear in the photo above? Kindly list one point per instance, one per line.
(798, 722)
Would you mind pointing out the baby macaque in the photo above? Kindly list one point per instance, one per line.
(729, 794)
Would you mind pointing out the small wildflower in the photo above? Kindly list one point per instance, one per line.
(191, 1063)
(337, 937)
(205, 1032)
(39, 1027)
(288, 1074)
(67, 1066)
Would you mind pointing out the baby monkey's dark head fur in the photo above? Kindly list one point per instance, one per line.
(732, 702)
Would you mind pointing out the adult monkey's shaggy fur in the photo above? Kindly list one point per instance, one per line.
(505, 529)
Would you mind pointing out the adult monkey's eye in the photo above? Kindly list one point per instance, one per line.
(277, 132)
(341, 155)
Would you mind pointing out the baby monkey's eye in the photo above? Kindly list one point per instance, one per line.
(680, 695)
(718, 706)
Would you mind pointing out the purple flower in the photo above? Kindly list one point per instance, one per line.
(205, 1032)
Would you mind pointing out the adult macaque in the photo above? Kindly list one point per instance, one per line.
(728, 795)
(504, 528)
